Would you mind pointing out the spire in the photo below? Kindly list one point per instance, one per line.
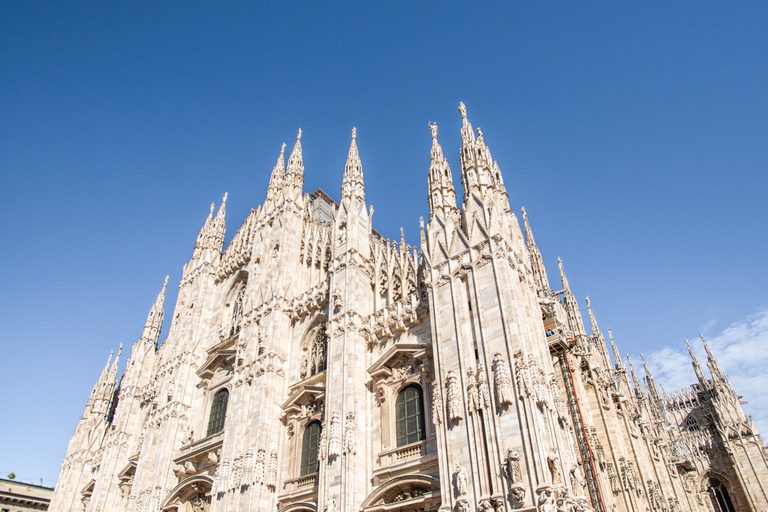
(442, 195)
(223, 208)
(352, 185)
(562, 275)
(116, 364)
(635, 380)
(592, 320)
(529, 241)
(277, 179)
(649, 382)
(696, 366)
(537, 262)
(477, 173)
(467, 135)
(155, 318)
(616, 356)
(294, 176)
(714, 368)
(571, 307)
(105, 371)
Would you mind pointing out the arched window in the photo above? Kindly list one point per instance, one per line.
(310, 445)
(218, 412)
(409, 416)
(691, 424)
(237, 312)
(317, 349)
(718, 493)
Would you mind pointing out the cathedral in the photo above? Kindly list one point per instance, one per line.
(313, 365)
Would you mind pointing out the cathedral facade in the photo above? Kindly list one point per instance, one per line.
(313, 365)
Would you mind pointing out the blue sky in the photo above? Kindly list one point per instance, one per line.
(634, 133)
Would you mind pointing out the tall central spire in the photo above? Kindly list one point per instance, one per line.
(352, 185)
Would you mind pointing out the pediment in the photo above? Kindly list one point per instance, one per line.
(128, 471)
(304, 395)
(382, 368)
(218, 356)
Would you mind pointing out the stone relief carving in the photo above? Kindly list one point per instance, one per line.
(248, 478)
(502, 381)
(454, 397)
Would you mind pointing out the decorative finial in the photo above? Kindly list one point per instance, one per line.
(212, 206)
(463, 110)
(479, 132)
(282, 150)
(354, 133)
(299, 135)
(433, 127)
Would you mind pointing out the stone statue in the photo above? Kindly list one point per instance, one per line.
(546, 501)
(577, 480)
(437, 404)
(454, 397)
(554, 468)
(502, 380)
(483, 393)
(512, 468)
(350, 435)
(330, 505)
(303, 362)
(473, 398)
(323, 448)
(460, 480)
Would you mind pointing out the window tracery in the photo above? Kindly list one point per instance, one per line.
(237, 312)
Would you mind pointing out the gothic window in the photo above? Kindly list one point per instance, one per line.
(310, 445)
(237, 312)
(317, 349)
(691, 424)
(409, 416)
(721, 500)
(218, 412)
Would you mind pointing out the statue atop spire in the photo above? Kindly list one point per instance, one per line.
(352, 185)
(714, 368)
(616, 356)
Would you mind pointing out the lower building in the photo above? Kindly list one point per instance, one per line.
(21, 497)
(313, 365)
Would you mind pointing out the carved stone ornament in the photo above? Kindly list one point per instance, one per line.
(454, 397)
(502, 381)
(334, 441)
(272, 470)
(553, 462)
(483, 393)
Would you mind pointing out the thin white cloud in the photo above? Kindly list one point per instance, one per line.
(741, 350)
